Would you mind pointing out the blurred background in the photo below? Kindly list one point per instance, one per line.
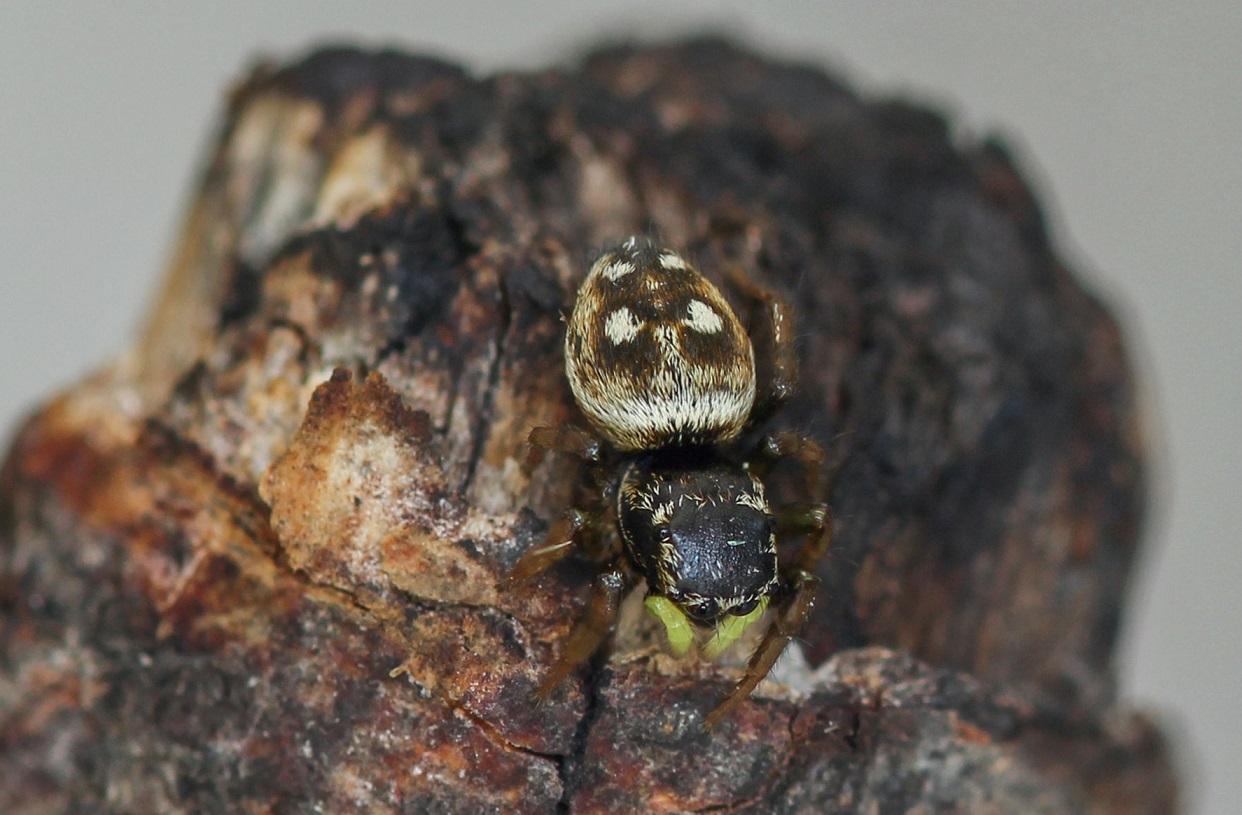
(1125, 115)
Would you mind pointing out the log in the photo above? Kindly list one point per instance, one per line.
(252, 564)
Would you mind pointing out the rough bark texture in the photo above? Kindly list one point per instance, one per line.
(304, 475)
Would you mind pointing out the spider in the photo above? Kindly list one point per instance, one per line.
(663, 370)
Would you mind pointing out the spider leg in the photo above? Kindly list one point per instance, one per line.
(788, 623)
(788, 444)
(815, 520)
(566, 438)
(556, 546)
(607, 591)
(777, 316)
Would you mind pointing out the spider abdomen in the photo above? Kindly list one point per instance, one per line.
(654, 354)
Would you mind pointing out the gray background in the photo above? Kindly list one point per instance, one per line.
(1126, 115)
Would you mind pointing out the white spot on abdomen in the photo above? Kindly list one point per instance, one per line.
(672, 260)
(703, 318)
(622, 326)
(617, 269)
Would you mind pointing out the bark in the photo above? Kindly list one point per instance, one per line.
(251, 566)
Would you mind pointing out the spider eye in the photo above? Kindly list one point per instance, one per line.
(705, 609)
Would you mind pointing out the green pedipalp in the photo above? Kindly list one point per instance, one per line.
(733, 627)
(680, 632)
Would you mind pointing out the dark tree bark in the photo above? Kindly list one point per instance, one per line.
(251, 566)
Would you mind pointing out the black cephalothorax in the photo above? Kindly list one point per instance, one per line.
(700, 530)
(663, 370)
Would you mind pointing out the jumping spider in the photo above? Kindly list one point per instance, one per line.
(662, 368)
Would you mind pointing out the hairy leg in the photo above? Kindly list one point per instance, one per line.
(565, 438)
(777, 317)
(812, 520)
(789, 619)
(607, 591)
(787, 444)
(815, 521)
(556, 546)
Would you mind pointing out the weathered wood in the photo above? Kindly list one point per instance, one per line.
(306, 474)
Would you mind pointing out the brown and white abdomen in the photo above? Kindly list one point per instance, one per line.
(654, 354)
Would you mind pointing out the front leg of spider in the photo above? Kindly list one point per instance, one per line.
(798, 588)
(607, 591)
(663, 370)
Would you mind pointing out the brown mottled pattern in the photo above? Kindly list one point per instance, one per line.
(669, 383)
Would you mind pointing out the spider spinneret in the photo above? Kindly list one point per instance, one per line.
(663, 370)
